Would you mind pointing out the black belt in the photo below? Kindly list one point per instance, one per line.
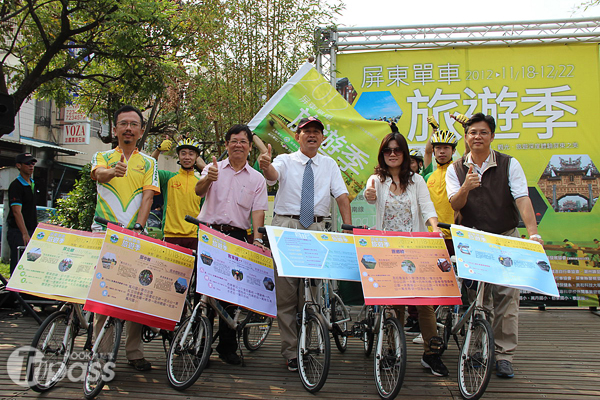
(226, 228)
(315, 218)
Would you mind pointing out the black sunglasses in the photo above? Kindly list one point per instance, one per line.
(389, 150)
(30, 163)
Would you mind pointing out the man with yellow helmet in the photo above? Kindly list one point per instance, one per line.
(178, 189)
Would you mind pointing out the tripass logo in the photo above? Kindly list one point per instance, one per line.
(27, 366)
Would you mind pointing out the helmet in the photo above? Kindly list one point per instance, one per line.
(188, 144)
(416, 154)
(444, 137)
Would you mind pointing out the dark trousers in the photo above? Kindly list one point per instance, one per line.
(227, 336)
(15, 239)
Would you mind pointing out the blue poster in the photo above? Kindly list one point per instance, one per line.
(313, 254)
(503, 260)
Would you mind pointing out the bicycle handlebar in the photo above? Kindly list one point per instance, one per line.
(192, 220)
(443, 225)
(104, 221)
(262, 229)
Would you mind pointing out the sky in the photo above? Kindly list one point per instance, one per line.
(364, 13)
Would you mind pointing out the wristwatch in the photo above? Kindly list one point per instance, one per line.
(536, 236)
(259, 241)
(138, 227)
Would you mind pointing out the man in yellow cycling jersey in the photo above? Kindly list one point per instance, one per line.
(127, 180)
(179, 196)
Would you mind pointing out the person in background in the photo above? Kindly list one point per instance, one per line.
(22, 214)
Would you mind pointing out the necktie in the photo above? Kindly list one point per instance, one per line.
(307, 197)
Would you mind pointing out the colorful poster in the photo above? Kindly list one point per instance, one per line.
(503, 260)
(58, 263)
(351, 140)
(235, 272)
(405, 268)
(313, 254)
(544, 98)
(140, 279)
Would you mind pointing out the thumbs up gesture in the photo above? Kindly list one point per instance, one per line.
(370, 192)
(264, 160)
(121, 167)
(472, 180)
(213, 170)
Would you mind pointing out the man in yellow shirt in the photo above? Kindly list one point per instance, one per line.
(444, 145)
(127, 180)
(179, 195)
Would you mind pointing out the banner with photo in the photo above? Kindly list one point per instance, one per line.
(235, 272)
(351, 140)
(313, 254)
(58, 263)
(405, 268)
(545, 99)
(503, 260)
(140, 279)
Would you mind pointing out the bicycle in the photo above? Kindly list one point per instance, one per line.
(390, 350)
(191, 346)
(319, 315)
(474, 337)
(55, 340)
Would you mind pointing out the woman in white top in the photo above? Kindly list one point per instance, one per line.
(403, 204)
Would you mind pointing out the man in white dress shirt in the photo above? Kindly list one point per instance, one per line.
(326, 180)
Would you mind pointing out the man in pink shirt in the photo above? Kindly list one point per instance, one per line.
(234, 194)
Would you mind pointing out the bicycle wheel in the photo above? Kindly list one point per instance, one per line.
(390, 359)
(54, 340)
(475, 362)
(339, 313)
(314, 353)
(101, 365)
(367, 320)
(255, 335)
(189, 352)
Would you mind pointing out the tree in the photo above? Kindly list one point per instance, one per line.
(104, 52)
(76, 211)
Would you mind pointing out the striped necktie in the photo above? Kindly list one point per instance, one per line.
(307, 197)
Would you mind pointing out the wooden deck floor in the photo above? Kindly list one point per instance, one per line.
(558, 358)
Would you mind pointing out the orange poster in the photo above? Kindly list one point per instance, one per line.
(405, 268)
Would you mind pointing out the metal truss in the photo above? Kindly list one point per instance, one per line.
(335, 40)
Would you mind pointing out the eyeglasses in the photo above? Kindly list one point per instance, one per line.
(236, 142)
(389, 150)
(482, 134)
(125, 124)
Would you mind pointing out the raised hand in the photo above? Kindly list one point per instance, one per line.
(370, 192)
(461, 118)
(213, 170)
(165, 145)
(121, 167)
(264, 160)
(472, 179)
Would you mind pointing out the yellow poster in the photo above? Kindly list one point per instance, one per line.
(405, 268)
(58, 263)
(140, 279)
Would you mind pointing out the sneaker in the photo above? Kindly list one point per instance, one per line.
(231, 358)
(414, 330)
(410, 321)
(504, 369)
(435, 364)
(141, 364)
(418, 339)
(292, 364)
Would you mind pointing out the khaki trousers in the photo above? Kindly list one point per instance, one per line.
(289, 298)
(134, 348)
(427, 323)
(502, 304)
